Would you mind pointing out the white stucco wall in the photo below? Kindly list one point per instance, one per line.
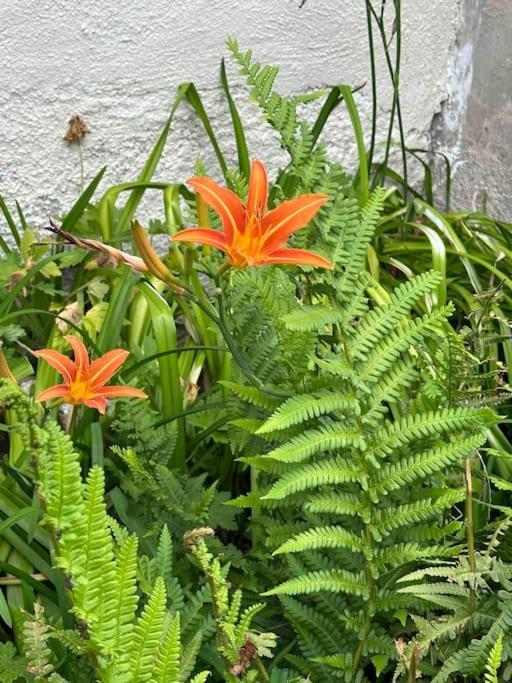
(118, 65)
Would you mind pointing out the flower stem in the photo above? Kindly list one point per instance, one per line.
(224, 268)
(470, 536)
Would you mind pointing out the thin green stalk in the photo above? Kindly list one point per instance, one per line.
(261, 668)
(373, 70)
(209, 338)
(368, 538)
(470, 538)
(394, 72)
(81, 160)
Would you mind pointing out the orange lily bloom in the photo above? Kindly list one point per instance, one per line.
(84, 381)
(252, 235)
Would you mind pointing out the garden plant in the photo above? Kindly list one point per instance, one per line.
(276, 449)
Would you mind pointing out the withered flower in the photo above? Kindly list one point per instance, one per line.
(77, 129)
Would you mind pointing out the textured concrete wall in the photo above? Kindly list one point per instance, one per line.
(118, 65)
(475, 125)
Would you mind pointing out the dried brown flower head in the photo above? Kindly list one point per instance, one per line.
(194, 536)
(77, 129)
(248, 652)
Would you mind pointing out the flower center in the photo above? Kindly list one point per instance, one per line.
(246, 247)
(79, 390)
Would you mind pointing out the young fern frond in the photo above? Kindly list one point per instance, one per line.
(147, 635)
(356, 241)
(125, 605)
(240, 647)
(167, 665)
(95, 592)
(494, 661)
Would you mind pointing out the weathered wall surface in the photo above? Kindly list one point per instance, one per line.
(475, 125)
(118, 65)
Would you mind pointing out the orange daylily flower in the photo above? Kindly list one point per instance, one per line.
(252, 235)
(84, 381)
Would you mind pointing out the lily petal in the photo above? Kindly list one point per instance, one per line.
(102, 369)
(258, 190)
(202, 236)
(59, 362)
(225, 202)
(57, 391)
(288, 217)
(298, 257)
(81, 355)
(118, 391)
(98, 403)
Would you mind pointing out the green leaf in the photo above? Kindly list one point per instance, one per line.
(76, 211)
(241, 143)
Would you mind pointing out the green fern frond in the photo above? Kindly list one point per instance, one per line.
(251, 395)
(335, 503)
(359, 237)
(388, 351)
(389, 519)
(147, 634)
(322, 537)
(412, 428)
(61, 486)
(247, 617)
(260, 78)
(189, 657)
(304, 407)
(94, 596)
(330, 437)
(164, 558)
(321, 473)
(125, 605)
(376, 324)
(308, 618)
(399, 554)
(311, 318)
(419, 466)
(334, 581)
(494, 661)
(167, 665)
(391, 387)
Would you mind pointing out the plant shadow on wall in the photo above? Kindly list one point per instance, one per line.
(303, 470)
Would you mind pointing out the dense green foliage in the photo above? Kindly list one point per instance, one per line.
(318, 485)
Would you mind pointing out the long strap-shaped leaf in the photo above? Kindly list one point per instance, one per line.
(162, 320)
